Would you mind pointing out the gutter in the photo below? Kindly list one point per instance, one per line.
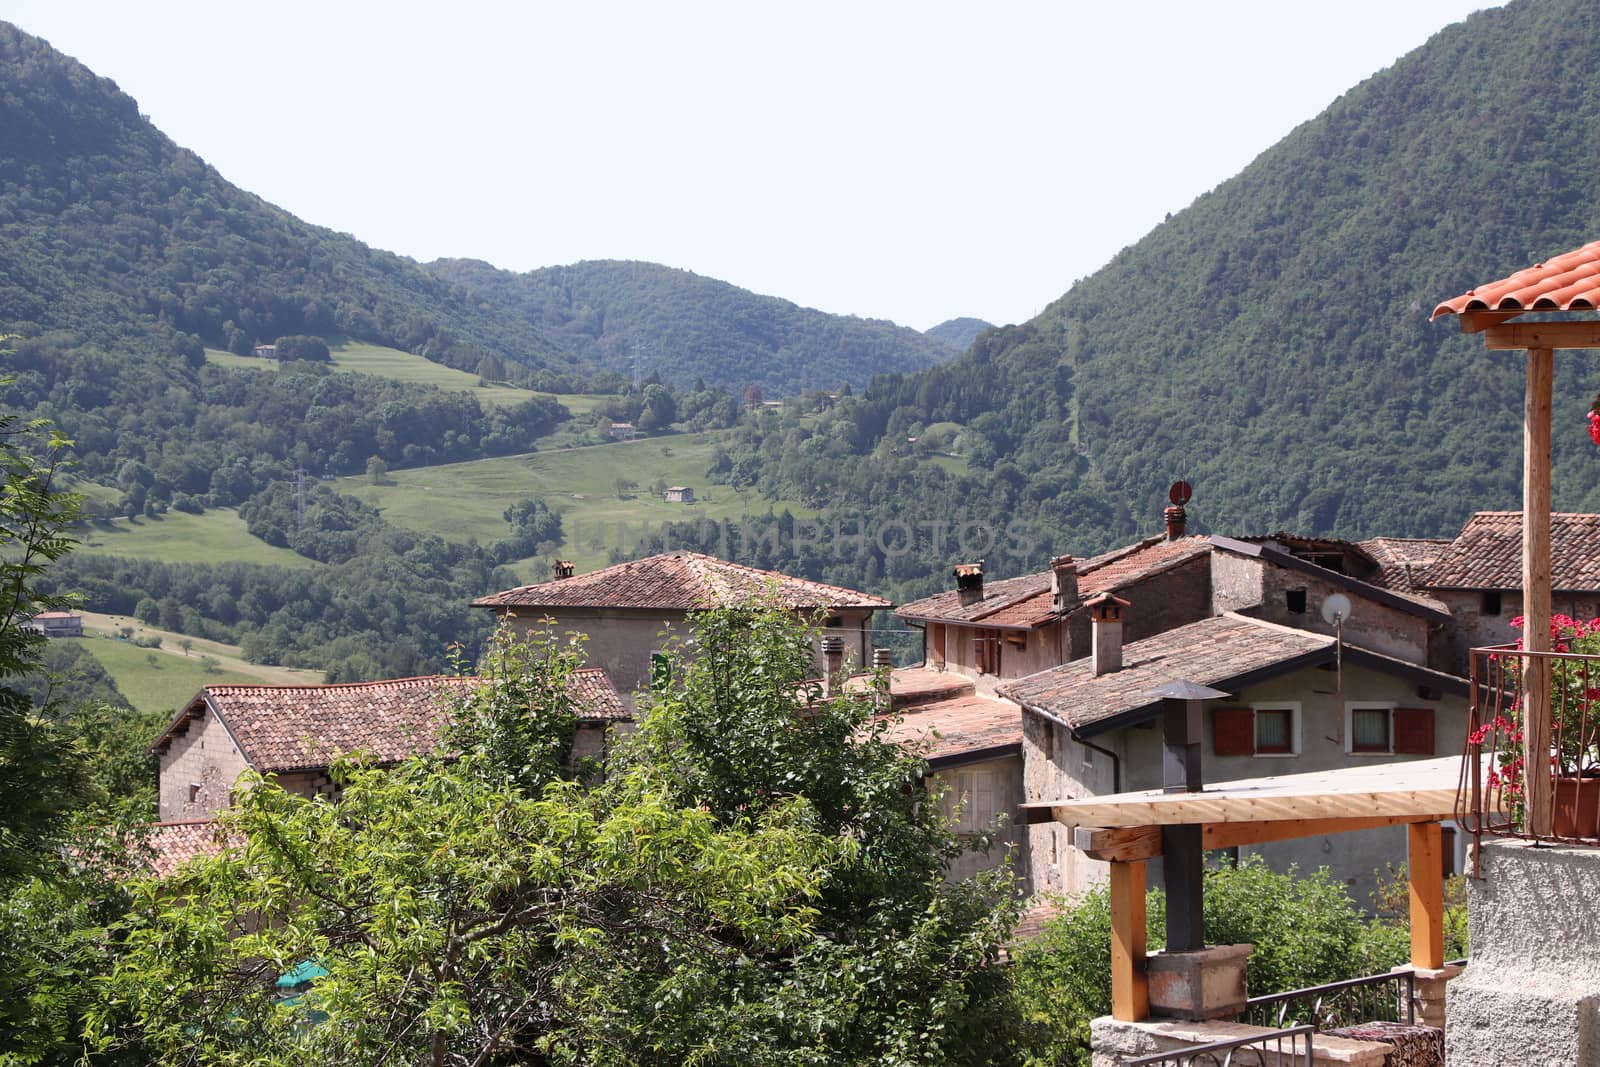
(1116, 760)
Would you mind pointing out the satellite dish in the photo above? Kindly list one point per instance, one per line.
(1335, 609)
(1180, 493)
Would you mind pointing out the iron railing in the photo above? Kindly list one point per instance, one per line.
(1377, 998)
(1495, 773)
(1281, 1048)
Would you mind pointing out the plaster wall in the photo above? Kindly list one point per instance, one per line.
(985, 797)
(1531, 991)
(203, 756)
(1057, 767)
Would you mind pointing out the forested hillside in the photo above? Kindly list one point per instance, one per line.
(959, 332)
(683, 326)
(1271, 343)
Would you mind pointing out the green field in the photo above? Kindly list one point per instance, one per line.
(161, 683)
(461, 501)
(217, 536)
(358, 357)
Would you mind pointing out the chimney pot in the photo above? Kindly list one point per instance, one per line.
(1177, 521)
(1105, 618)
(882, 664)
(562, 568)
(1063, 584)
(969, 582)
(832, 664)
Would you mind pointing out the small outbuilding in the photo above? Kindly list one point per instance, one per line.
(678, 494)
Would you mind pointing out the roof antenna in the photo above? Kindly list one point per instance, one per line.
(1335, 609)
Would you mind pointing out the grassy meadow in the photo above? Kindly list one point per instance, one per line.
(462, 501)
(217, 536)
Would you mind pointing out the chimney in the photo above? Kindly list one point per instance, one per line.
(1063, 584)
(882, 664)
(969, 582)
(562, 568)
(1177, 521)
(832, 664)
(1105, 624)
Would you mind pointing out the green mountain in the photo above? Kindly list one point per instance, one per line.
(960, 332)
(682, 326)
(1270, 343)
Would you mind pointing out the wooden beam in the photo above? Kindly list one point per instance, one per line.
(1538, 812)
(1235, 834)
(1130, 988)
(1118, 843)
(1476, 321)
(1542, 335)
(1425, 874)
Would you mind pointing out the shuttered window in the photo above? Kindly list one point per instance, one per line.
(1233, 732)
(1274, 731)
(1413, 731)
(1369, 730)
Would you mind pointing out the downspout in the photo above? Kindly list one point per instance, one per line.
(1116, 760)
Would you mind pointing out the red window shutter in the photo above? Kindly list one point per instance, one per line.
(1234, 732)
(1413, 731)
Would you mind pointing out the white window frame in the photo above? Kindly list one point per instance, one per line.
(1293, 708)
(1350, 709)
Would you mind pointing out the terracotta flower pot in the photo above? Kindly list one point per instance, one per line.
(1577, 807)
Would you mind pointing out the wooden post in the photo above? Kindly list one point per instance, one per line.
(1425, 873)
(1538, 811)
(1130, 989)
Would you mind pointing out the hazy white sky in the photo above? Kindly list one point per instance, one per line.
(912, 161)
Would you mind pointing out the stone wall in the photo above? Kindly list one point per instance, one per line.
(1056, 767)
(988, 794)
(1531, 992)
(198, 770)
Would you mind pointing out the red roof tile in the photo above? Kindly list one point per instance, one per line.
(1569, 282)
(679, 581)
(169, 845)
(916, 685)
(966, 725)
(1487, 554)
(282, 728)
(1401, 560)
(1026, 602)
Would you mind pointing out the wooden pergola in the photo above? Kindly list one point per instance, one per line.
(1125, 829)
(1567, 283)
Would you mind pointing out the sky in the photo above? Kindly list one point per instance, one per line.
(908, 161)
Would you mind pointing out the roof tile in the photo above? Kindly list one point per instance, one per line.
(282, 728)
(957, 726)
(679, 581)
(1487, 554)
(1569, 282)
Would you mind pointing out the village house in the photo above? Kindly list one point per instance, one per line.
(632, 611)
(56, 624)
(678, 494)
(295, 732)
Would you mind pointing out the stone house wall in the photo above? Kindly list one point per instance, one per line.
(198, 770)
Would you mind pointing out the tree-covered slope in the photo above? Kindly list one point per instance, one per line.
(684, 326)
(1271, 343)
(109, 229)
(960, 332)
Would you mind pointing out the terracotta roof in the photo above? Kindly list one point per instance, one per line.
(1218, 652)
(1026, 602)
(916, 685)
(678, 581)
(169, 845)
(1400, 560)
(960, 728)
(1569, 282)
(282, 728)
(1487, 554)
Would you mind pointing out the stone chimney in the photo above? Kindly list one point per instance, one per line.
(561, 568)
(969, 582)
(882, 664)
(1063, 584)
(832, 664)
(1177, 521)
(1105, 619)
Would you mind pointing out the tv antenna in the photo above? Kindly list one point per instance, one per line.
(1336, 609)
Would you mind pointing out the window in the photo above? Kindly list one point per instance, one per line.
(1491, 602)
(1383, 729)
(1261, 730)
(1295, 601)
(194, 792)
(986, 651)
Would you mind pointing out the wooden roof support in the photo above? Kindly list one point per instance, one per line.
(1542, 335)
(1425, 876)
(1538, 799)
(1130, 986)
(1125, 843)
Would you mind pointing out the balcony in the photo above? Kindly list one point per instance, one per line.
(1504, 790)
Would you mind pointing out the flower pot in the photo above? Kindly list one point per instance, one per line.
(1577, 807)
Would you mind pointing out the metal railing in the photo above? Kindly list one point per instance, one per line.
(1282, 1048)
(1495, 772)
(1377, 998)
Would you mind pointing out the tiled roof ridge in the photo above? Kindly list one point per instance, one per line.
(717, 563)
(178, 822)
(1265, 624)
(325, 686)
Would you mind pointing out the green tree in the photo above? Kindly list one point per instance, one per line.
(377, 470)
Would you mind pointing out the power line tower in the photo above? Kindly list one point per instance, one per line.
(299, 497)
(639, 349)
